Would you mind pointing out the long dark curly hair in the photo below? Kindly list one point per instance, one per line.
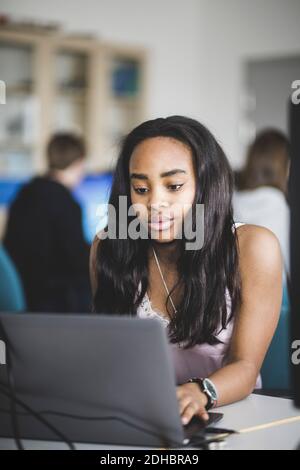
(205, 274)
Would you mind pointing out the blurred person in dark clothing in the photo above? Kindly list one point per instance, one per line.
(44, 234)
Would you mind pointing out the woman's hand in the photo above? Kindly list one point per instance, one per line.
(191, 402)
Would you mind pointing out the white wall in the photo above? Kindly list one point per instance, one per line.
(197, 47)
(238, 30)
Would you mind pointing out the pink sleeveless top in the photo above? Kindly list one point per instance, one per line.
(201, 360)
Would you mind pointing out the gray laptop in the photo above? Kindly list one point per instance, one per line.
(97, 379)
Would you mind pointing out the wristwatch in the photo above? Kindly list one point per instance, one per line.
(207, 387)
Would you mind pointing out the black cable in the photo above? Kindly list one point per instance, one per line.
(194, 441)
(37, 415)
(14, 400)
(82, 418)
(11, 384)
(13, 413)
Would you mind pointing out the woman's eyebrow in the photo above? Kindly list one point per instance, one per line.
(142, 176)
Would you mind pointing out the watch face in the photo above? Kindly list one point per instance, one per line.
(209, 386)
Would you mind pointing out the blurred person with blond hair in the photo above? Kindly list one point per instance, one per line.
(261, 198)
(44, 234)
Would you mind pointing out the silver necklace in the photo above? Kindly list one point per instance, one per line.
(163, 280)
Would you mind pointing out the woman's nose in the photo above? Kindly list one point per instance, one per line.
(157, 200)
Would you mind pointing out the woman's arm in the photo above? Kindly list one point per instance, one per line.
(261, 275)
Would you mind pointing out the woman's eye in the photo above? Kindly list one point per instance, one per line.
(175, 187)
(171, 187)
(140, 190)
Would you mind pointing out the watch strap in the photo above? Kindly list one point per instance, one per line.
(210, 402)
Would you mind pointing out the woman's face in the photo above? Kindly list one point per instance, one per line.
(163, 183)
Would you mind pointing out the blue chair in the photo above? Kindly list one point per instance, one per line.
(276, 367)
(12, 297)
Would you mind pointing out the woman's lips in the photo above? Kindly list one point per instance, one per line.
(160, 224)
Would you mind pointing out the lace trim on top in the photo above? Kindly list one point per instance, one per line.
(146, 311)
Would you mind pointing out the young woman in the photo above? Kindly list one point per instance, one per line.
(221, 302)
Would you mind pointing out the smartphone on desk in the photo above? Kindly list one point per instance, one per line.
(197, 426)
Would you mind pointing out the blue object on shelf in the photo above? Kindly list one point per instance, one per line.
(125, 79)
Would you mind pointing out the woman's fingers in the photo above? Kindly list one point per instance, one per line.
(189, 408)
(189, 411)
(184, 402)
(190, 403)
(202, 413)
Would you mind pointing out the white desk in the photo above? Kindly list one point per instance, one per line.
(253, 411)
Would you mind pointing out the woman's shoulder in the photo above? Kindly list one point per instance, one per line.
(253, 233)
(258, 245)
